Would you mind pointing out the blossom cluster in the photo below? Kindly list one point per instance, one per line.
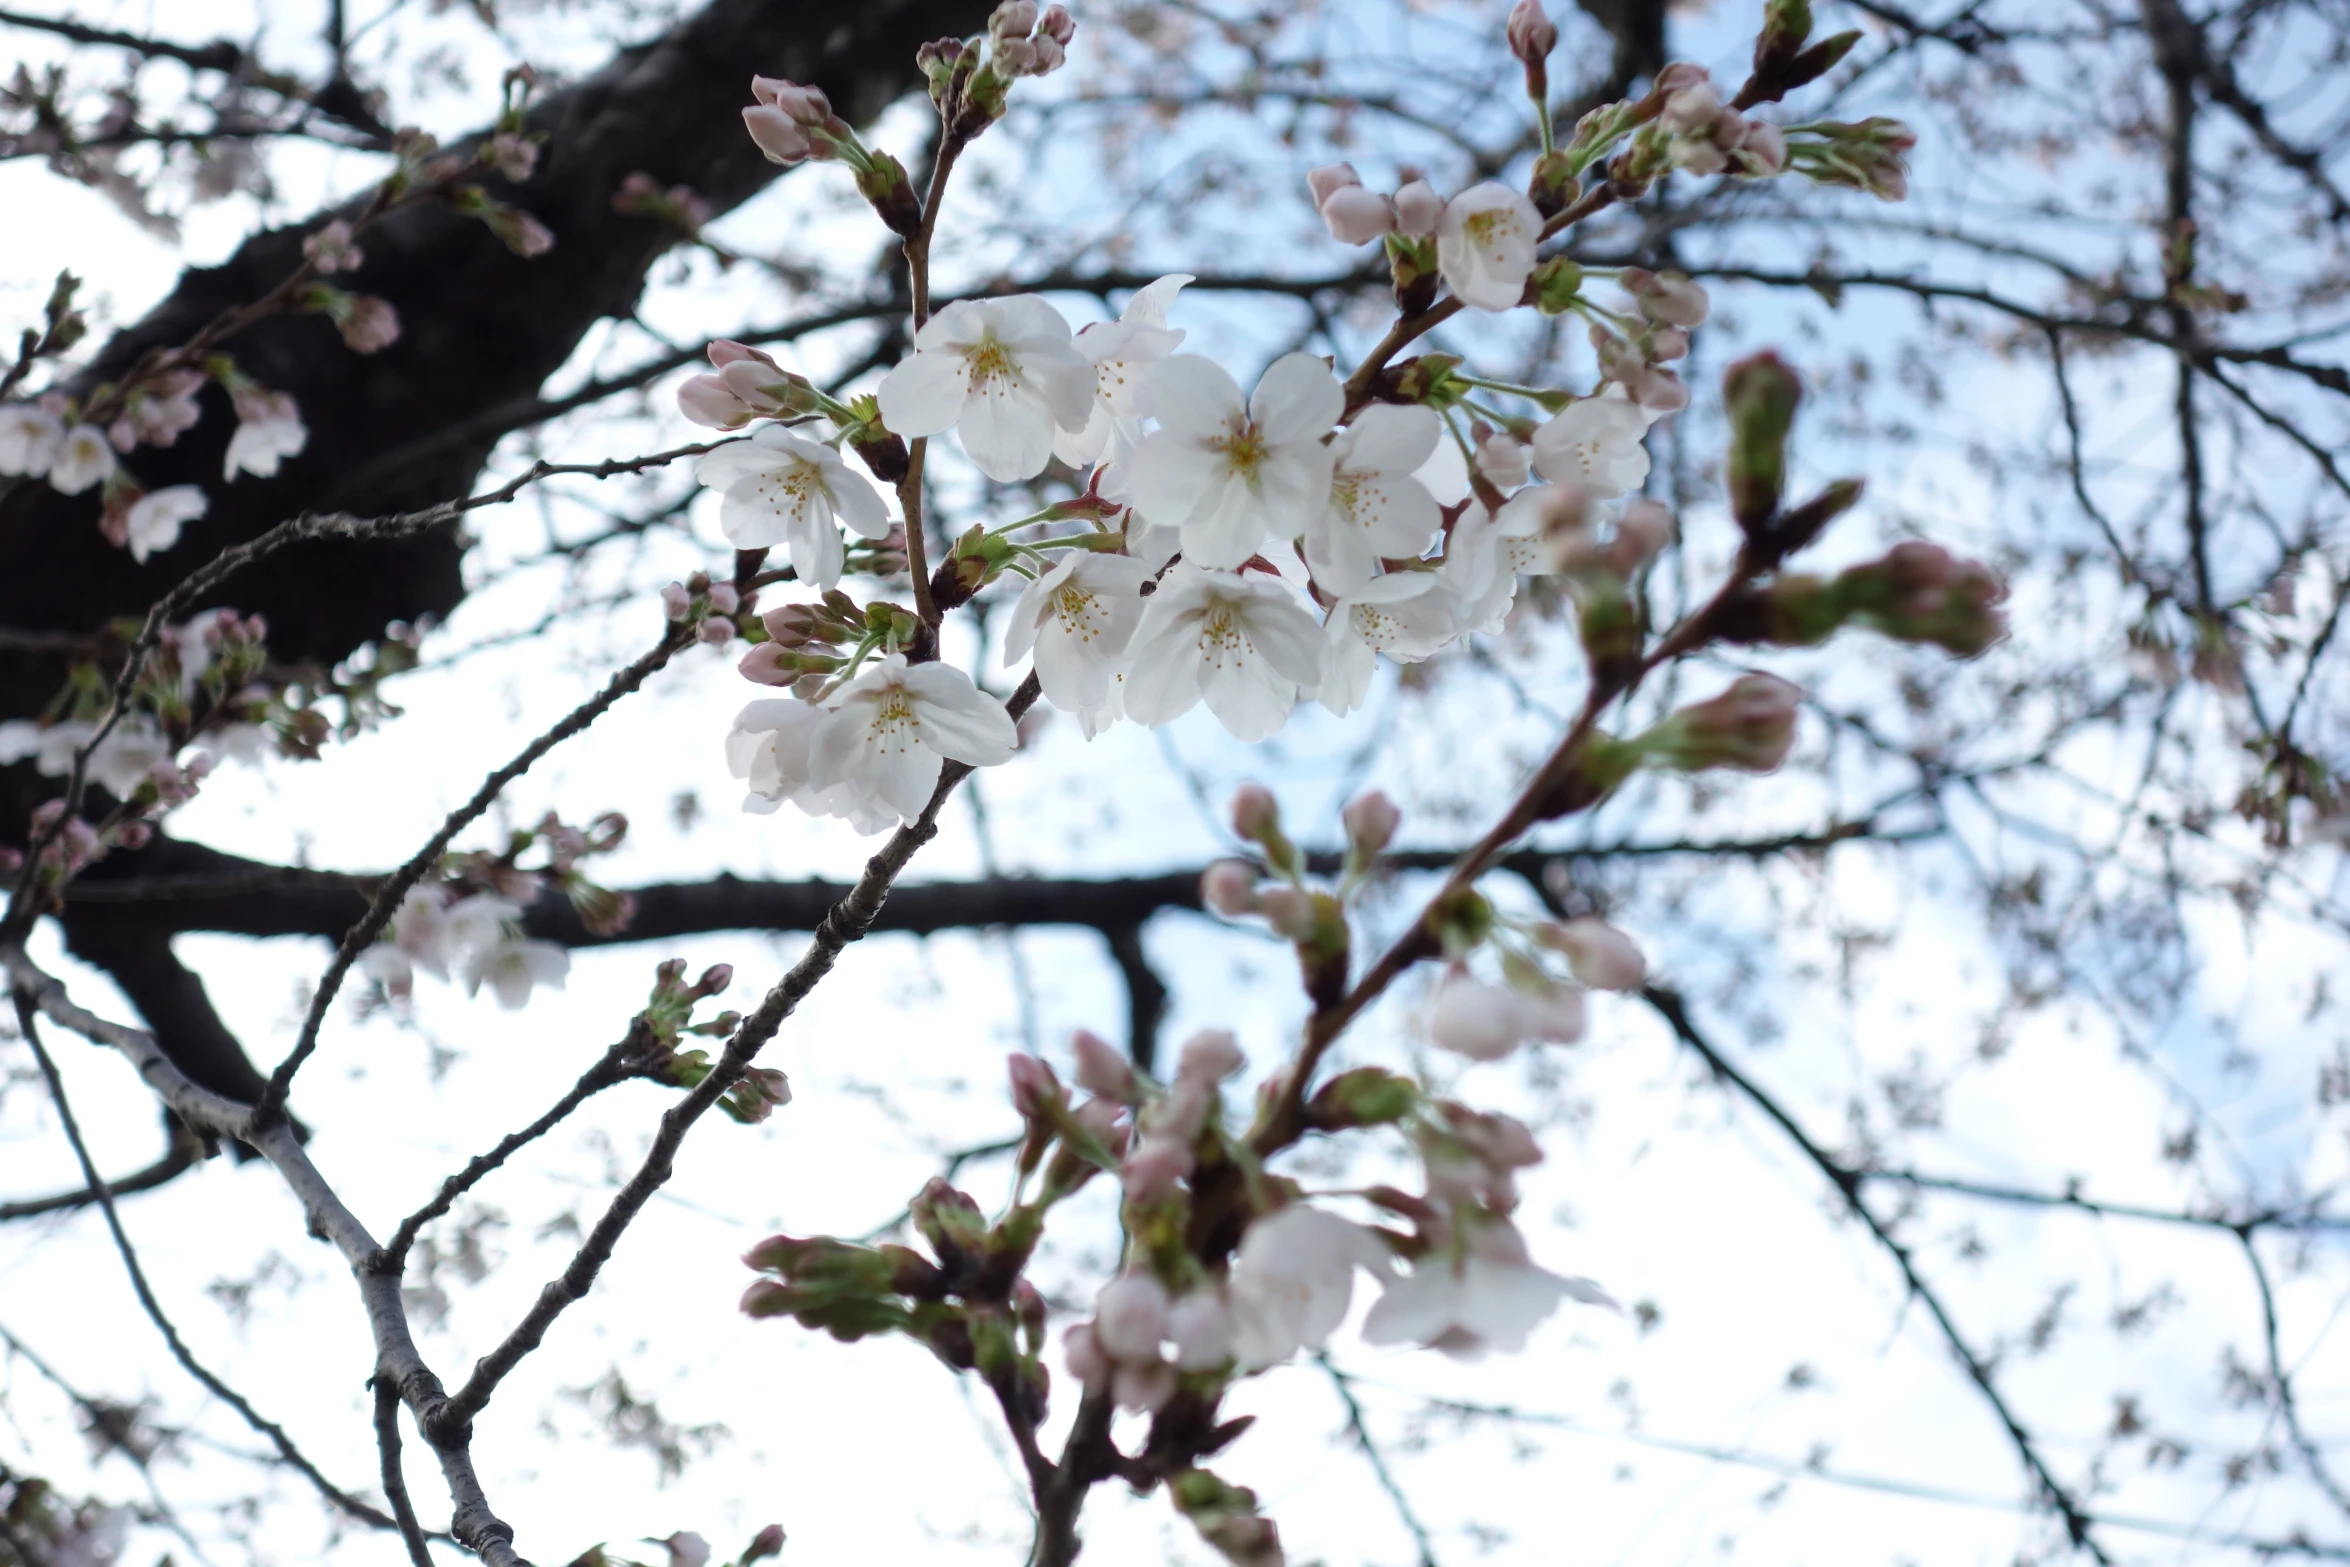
(466, 921)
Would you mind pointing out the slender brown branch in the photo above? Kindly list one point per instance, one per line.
(387, 1444)
(623, 1061)
(2078, 1524)
(2280, 1381)
(28, 1023)
(184, 1154)
(1356, 1427)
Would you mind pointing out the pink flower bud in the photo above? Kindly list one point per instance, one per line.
(1471, 1018)
(1130, 1317)
(369, 324)
(778, 135)
(1035, 1090)
(715, 978)
(1763, 149)
(1289, 911)
(1418, 209)
(1013, 19)
(804, 105)
(134, 835)
(765, 664)
(1151, 1169)
(1208, 1057)
(676, 602)
(1018, 57)
(724, 600)
(1084, 1357)
(1057, 24)
(1532, 34)
(1329, 178)
(711, 403)
(1600, 955)
(1691, 109)
(1101, 1067)
(1255, 813)
(1356, 216)
(1668, 297)
(1047, 55)
(726, 351)
(767, 1542)
(1750, 727)
(1101, 1118)
(1230, 888)
(1666, 344)
(716, 630)
(1680, 74)
(1370, 821)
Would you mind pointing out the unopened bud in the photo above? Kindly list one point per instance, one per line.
(777, 134)
(1357, 216)
(1101, 1067)
(1667, 297)
(767, 1542)
(1230, 888)
(1532, 34)
(1256, 815)
(724, 600)
(1289, 911)
(1370, 821)
(1209, 1056)
(1750, 727)
(708, 401)
(1691, 109)
(1760, 394)
(1330, 178)
(716, 631)
(1365, 1096)
(1598, 954)
(1418, 209)
(1036, 1092)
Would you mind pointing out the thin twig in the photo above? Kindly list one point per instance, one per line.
(29, 1023)
(1361, 1432)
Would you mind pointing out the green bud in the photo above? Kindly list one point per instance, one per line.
(1365, 1096)
(1460, 922)
(1412, 262)
(883, 182)
(1760, 394)
(950, 1221)
(1558, 282)
(1553, 187)
(1599, 768)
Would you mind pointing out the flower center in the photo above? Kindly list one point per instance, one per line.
(1244, 450)
(1080, 611)
(989, 360)
(895, 724)
(1223, 635)
(1379, 629)
(1489, 228)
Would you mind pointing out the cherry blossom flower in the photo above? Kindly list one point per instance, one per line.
(782, 488)
(897, 724)
(269, 430)
(1122, 351)
(1485, 245)
(1293, 1279)
(768, 747)
(1230, 474)
(496, 953)
(1406, 615)
(420, 937)
(1243, 643)
(1596, 443)
(512, 966)
(1489, 1297)
(30, 437)
(1078, 619)
(1003, 373)
(1376, 509)
(1488, 549)
(155, 519)
(84, 457)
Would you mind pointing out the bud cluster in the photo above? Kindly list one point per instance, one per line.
(806, 644)
(1918, 592)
